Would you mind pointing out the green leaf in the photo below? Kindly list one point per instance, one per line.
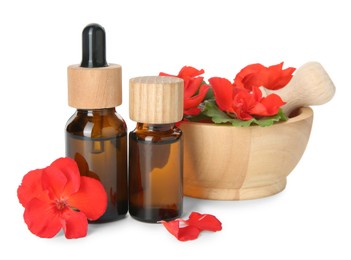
(242, 123)
(198, 118)
(209, 94)
(219, 117)
(211, 110)
(270, 120)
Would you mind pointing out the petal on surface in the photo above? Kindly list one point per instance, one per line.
(172, 226)
(188, 233)
(181, 233)
(223, 92)
(75, 224)
(91, 199)
(204, 222)
(42, 218)
(31, 187)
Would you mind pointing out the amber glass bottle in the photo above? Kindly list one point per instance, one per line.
(96, 136)
(97, 140)
(156, 149)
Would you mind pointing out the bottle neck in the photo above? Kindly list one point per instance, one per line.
(96, 112)
(155, 127)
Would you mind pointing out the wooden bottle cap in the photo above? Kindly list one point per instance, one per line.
(94, 88)
(156, 99)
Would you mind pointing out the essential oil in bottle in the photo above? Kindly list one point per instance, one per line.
(156, 148)
(96, 136)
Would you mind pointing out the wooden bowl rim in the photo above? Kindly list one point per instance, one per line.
(302, 114)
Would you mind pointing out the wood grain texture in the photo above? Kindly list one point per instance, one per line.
(231, 163)
(310, 86)
(94, 88)
(156, 99)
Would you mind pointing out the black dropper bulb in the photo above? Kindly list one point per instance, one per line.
(94, 46)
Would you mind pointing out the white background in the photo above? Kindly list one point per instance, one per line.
(310, 219)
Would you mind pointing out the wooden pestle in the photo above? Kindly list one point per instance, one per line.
(310, 85)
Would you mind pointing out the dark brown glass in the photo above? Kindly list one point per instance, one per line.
(155, 172)
(97, 140)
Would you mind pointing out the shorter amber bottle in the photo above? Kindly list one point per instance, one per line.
(156, 148)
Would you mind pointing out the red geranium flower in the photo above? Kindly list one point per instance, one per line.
(242, 102)
(58, 197)
(257, 75)
(190, 229)
(194, 89)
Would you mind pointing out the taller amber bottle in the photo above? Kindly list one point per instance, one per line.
(156, 148)
(96, 136)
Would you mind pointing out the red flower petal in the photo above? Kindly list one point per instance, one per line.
(197, 99)
(188, 233)
(70, 169)
(272, 103)
(243, 101)
(54, 181)
(75, 224)
(193, 226)
(246, 76)
(204, 222)
(91, 199)
(41, 218)
(259, 110)
(276, 77)
(191, 86)
(223, 91)
(181, 233)
(31, 187)
(256, 75)
(166, 74)
(267, 106)
(189, 72)
(192, 111)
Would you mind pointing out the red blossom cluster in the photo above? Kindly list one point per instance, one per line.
(243, 98)
(57, 197)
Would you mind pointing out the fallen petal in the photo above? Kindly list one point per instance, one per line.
(185, 233)
(204, 222)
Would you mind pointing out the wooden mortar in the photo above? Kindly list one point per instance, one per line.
(231, 163)
(223, 162)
